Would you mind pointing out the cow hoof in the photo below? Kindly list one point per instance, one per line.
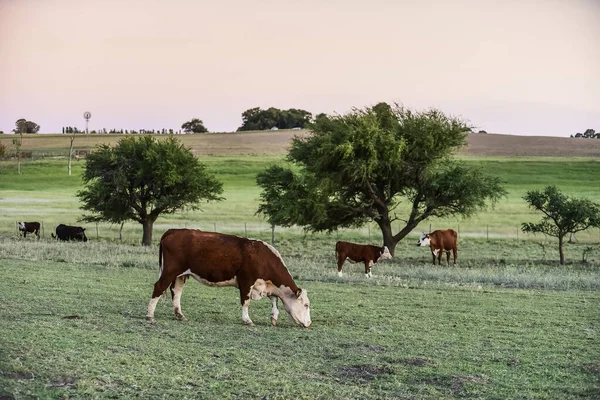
(150, 320)
(249, 323)
(181, 317)
(274, 321)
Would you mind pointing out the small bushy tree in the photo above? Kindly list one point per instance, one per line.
(562, 215)
(141, 178)
(24, 126)
(194, 126)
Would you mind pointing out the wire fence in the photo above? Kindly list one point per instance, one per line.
(264, 231)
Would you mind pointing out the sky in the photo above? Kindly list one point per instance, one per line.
(523, 67)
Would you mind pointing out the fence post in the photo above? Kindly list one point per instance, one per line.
(273, 234)
(215, 226)
(43, 229)
(487, 232)
(458, 229)
(517, 233)
(430, 228)
(96, 230)
(245, 230)
(369, 230)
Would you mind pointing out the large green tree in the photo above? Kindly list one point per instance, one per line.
(194, 126)
(256, 119)
(562, 215)
(361, 166)
(140, 178)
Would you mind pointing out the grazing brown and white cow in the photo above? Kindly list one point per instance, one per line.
(440, 241)
(217, 259)
(29, 227)
(365, 253)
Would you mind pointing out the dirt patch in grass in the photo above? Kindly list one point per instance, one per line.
(364, 347)
(593, 368)
(18, 375)
(364, 373)
(63, 382)
(417, 362)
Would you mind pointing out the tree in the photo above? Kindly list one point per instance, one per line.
(24, 126)
(255, 119)
(194, 126)
(562, 215)
(141, 178)
(360, 166)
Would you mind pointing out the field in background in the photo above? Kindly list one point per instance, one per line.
(269, 142)
(44, 192)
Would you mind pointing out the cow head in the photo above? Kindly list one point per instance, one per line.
(21, 226)
(424, 240)
(81, 235)
(298, 306)
(385, 254)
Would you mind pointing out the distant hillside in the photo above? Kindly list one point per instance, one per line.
(269, 142)
(481, 144)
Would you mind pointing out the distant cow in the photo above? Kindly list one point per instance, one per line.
(66, 233)
(440, 241)
(216, 259)
(29, 227)
(365, 253)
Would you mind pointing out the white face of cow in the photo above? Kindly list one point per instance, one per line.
(424, 240)
(21, 226)
(298, 306)
(386, 255)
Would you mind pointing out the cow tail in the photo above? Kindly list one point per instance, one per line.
(160, 259)
(53, 237)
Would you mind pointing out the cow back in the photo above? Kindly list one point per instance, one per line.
(218, 257)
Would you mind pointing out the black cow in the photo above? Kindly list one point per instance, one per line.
(66, 232)
(31, 227)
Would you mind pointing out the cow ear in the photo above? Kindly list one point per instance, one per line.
(84, 229)
(298, 293)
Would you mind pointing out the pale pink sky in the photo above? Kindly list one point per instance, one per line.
(527, 67)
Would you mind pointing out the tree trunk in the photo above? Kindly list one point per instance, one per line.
(147, 229)
(388, 237)
(560, 250)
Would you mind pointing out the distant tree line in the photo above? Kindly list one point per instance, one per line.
(255, 119)
(588, 134)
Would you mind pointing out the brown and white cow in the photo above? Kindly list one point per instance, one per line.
(440, 241)
(29, 227)
(217, 259)
(355, 253)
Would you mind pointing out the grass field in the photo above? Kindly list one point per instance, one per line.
(507, 322)
(45, 193)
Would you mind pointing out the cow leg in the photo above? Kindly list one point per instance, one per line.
(368, 266)
(448, 257)
(439, 254)
(433, 255)
(340, 262)
(274, 310)
(245, 316)
(177, 289)
(454, 252)
(159, 287)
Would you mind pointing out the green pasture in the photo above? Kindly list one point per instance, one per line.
(45, 193)
(506, 323)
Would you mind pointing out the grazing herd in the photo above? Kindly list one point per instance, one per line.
(253, 266)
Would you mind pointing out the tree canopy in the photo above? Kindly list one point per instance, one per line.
(194, 126)
(360, 166)
(24, 126)
(255, 119)
(140, 178)
(562, 214)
